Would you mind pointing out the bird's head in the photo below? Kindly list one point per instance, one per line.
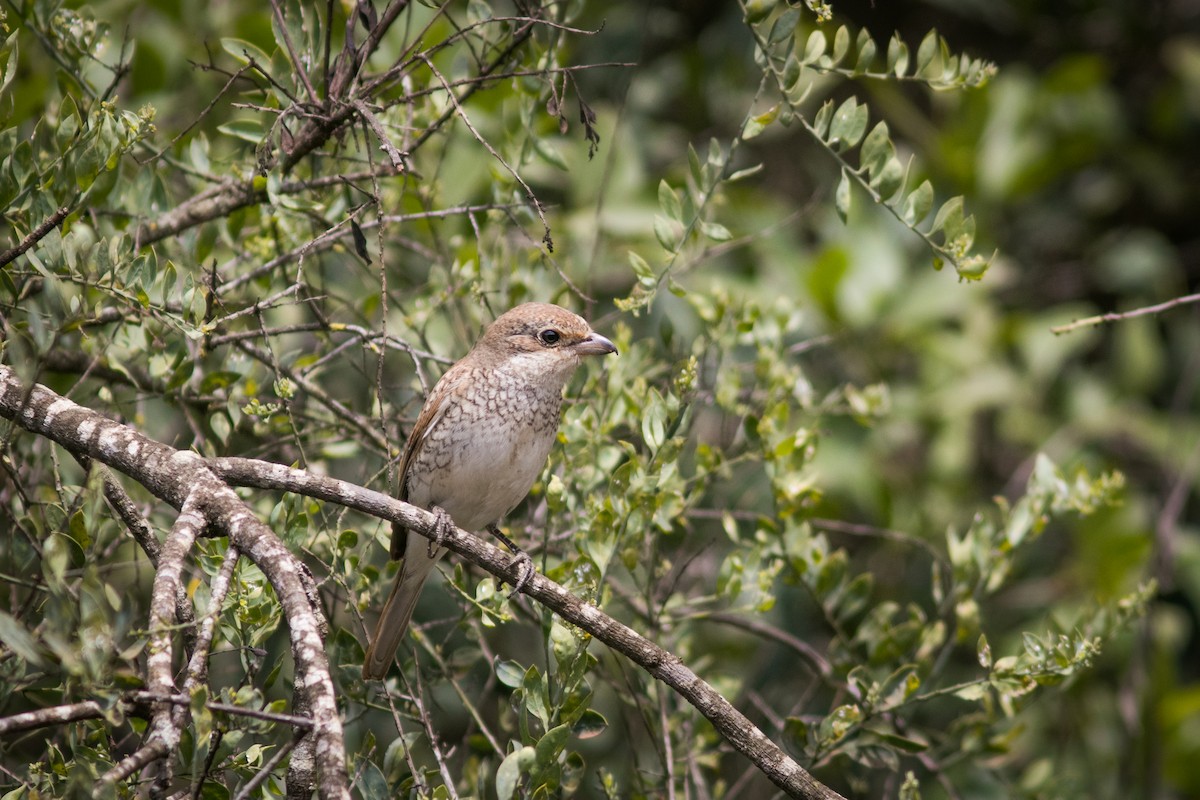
(544, 339)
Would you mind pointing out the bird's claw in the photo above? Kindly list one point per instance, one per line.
(525, 571)
(525, 568)
(441, 529)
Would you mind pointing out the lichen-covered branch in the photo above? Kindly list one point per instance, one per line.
(174, 476)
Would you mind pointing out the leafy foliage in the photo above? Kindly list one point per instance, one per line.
(793, 67)
(814, 473)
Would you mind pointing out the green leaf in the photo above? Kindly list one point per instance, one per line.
(744, 173)
(815, 47)
(983, 652)
(897, 56)
(877, 148)
(784, 26)
(758, 10)
(533, 685)
(550, 153)
(654, 418)
(715, 231)
(901, 742)
(848, 125)
(668, 233)
(890, 179)
(918, 204)
(927, 52)
(547, 751)
(641, 269)
(668, 201)
(509, 772)
(755, 126)
(841, 44)
(243, 51)
(697, 169)
(820, 123)
(18, 638)
(590, 723)
(949, 218)
(716, 153)
(221, 379)
(866, 51)
(841, 197)
(510, 673)
(250, 130)
(78, 530)
(791, 73)
(8, 54)
(974, 691)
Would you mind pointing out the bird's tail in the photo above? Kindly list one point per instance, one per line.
(396, 614)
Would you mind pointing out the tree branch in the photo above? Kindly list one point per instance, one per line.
(36, 235)
(174, 476)
(1101, 319)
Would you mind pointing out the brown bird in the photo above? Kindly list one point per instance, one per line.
(479, 443)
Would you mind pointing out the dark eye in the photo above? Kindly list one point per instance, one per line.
(549, 336)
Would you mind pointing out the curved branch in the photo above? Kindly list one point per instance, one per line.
(166, 723)
(173, 476)
(737, 729)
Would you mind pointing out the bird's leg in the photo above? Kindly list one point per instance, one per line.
(525, 568)
(441, 528)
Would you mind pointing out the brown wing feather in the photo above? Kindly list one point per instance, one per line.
(434, 409)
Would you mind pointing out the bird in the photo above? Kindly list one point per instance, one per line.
(479, 443)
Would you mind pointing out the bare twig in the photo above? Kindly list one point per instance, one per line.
(296, 62)
(90, 709)
(36, 235)
(385, 144)
(55, 715)
(1102, 319)
(529, 195)
(269, 767)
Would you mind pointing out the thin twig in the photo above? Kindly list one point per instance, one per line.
(533, 201)
(269, 767)
(296, 62)
(1102, 319)
(36, 235)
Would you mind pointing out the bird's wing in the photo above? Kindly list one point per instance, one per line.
(440, 400)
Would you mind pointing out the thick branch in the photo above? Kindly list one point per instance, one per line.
(166, 726)
(729, 722)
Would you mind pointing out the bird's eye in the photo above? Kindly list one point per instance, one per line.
(549, 336)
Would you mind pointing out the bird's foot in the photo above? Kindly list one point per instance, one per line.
(525, 571)
(525, 568)
(441, 529)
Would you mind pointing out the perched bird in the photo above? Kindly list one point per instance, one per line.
(479, 443)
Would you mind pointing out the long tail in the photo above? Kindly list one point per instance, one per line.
(398, 611)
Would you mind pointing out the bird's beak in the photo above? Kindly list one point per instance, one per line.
(595, 345)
